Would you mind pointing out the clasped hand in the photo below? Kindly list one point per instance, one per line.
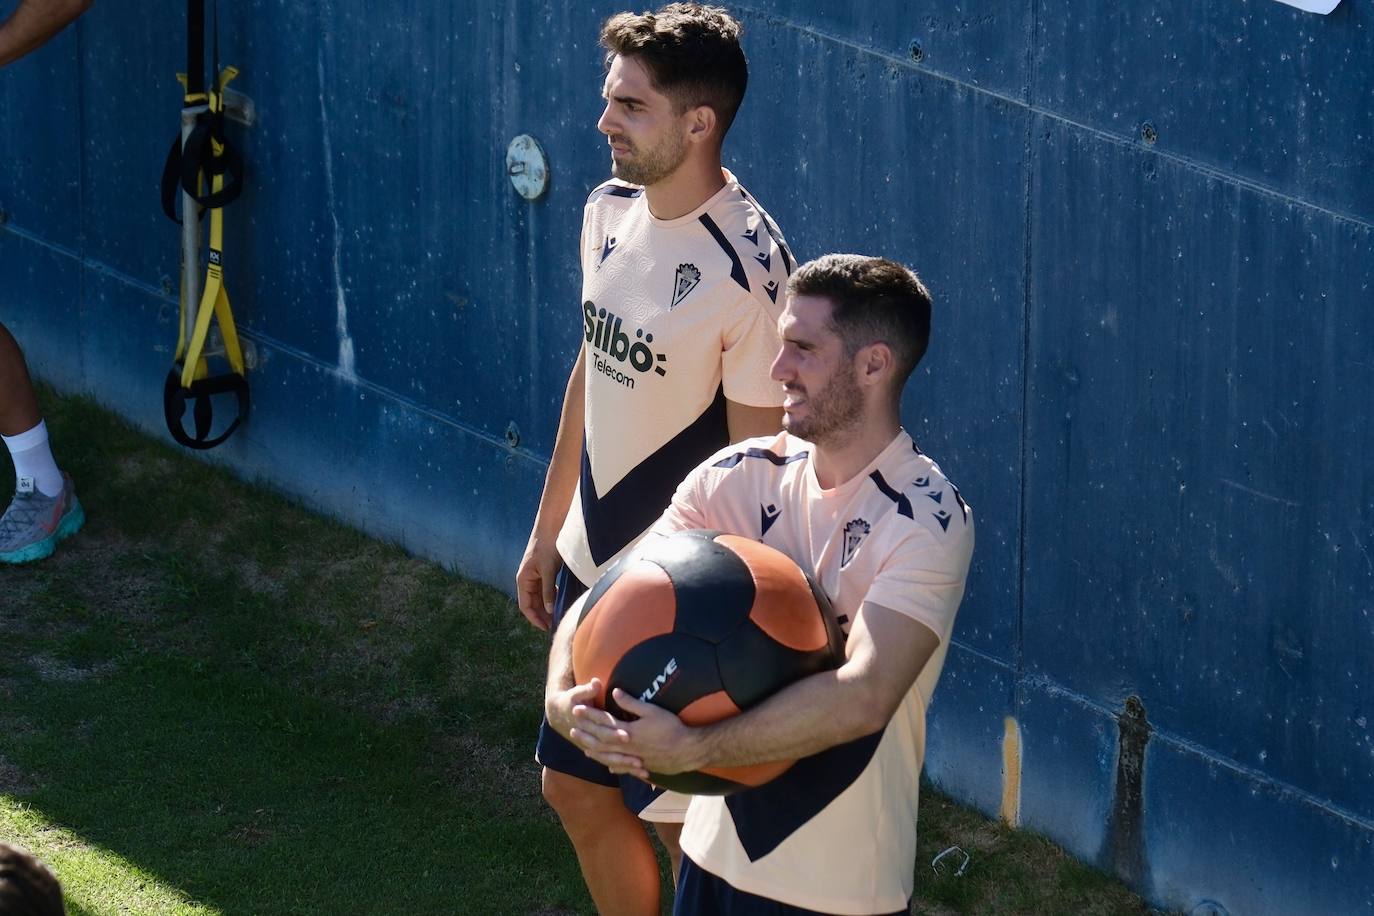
(657, 740)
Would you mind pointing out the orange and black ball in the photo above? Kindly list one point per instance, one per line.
(704, 625)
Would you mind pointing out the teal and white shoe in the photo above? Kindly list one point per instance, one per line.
(34, 523)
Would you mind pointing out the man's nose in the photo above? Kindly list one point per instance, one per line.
(780, 370)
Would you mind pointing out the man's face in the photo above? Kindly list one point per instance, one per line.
(647, 137)
(822, 402)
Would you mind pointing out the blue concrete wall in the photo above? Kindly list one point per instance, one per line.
(1148, 228)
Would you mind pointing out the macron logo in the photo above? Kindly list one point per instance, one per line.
(769, 515)
(606, 248)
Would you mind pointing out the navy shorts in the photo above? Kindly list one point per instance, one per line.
(700, 893)
(558, 753)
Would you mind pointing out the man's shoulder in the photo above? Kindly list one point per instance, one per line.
(926, 499)
(613, 192)
(742, 217)
(753, 240)
(760, 454)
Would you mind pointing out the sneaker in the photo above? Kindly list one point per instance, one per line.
(34, 523)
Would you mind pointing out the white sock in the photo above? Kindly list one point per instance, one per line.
(33, 458)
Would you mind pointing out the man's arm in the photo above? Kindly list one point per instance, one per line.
(534, 580)
(33, 23)
(885, 653)
(561, 695)
(745, 421)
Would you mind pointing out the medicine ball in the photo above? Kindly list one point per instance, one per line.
(705, 625)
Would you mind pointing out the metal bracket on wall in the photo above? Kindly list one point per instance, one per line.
(240, 108)
(527, 167)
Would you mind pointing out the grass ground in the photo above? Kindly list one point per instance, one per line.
(215, 702)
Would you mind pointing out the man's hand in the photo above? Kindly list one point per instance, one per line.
(535, 580)
(560, 706)
(657, 740)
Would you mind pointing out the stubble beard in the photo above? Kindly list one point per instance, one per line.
(653, 165)
(835, 414)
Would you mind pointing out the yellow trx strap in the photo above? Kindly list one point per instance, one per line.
(214, 301)
(204, 155)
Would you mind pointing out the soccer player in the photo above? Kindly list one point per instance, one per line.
(682, 274)
(846, 493)
(45, 508)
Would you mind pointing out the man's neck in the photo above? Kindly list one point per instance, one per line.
(837, 463)
(688, 187)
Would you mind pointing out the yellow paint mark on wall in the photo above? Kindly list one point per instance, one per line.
(1011, 772)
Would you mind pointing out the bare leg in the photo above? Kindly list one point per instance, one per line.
(18, 406)
(613, 848)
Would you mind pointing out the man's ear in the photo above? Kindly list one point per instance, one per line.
(874, 364)
(701, 123)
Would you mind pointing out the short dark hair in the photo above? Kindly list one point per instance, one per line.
(692, 53)
(872, 300)
(27, 888)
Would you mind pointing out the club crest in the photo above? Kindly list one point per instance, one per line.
(686, 280)
(854, 534)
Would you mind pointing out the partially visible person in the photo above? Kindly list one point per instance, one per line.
(27, 888)
(33, 22)
(682, 276)
(44, 509)
(888, 538)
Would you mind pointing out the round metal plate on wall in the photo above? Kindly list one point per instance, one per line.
(527, 167)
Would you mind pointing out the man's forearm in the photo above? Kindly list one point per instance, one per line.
(560, 674)
(814, 714)
(884, 654)
(744, 421)
(33, 23)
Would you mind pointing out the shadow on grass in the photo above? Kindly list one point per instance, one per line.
(251, 799)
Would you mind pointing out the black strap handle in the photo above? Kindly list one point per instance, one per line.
(174, 398)
(182, 169)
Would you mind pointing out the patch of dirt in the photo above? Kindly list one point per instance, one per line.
(53, 670)
(13, 780)
(15, 726)
(143, 467)
(250, 835)
(396, 580)
(403, 708)
(119, 586)
(257, 830)
(496, 771)
(19, 592)
(256, 580)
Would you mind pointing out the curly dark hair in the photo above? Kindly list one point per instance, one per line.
(27, 888)
(872, 299)
(692, 54)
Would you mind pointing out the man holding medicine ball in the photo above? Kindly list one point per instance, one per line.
(889, 539)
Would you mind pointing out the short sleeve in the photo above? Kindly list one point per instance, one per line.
(750, 345)
(686, 511)
(923, 577)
